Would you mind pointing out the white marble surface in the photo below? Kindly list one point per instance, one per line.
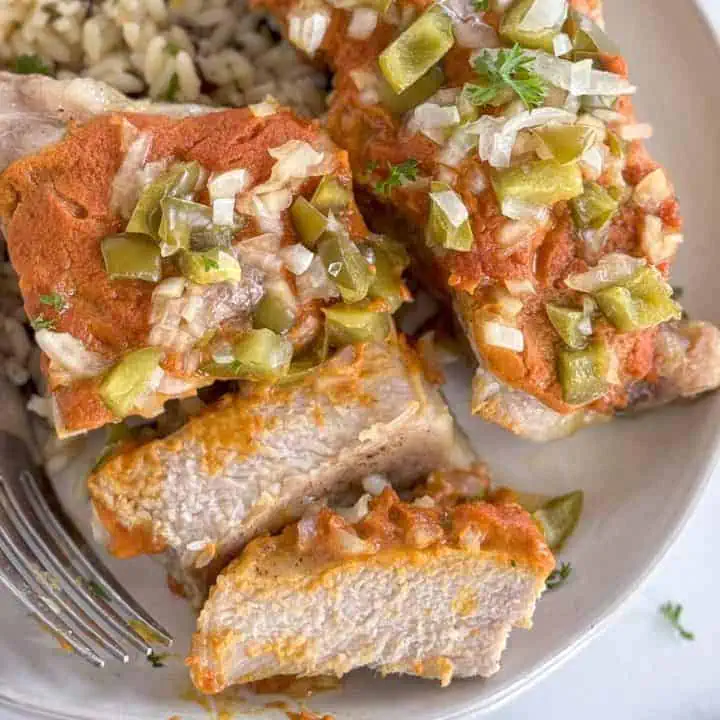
(639, 668)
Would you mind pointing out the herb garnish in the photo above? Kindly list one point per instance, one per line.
(481, 5)
(509, 69)
(372, 166)
(156, 659)
(54, 300)
(97, 590)
(31, 65)
(42, 323)
(209, 263)
(172, 88)
(671, 612)
(559, 576)
(397, 175)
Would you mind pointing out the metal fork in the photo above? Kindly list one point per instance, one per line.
(51, 570)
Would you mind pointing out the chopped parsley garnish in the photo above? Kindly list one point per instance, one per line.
(372, 166)
(156, 659)
(558, 576)
(54, 301)
(97, 590)
(671, 612)
(172, 88)
(209, 263)
(481, 5)
(397, 175)
(509, 69)
(42, 323)
(31, 65)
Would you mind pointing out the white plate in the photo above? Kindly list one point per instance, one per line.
(641, 476)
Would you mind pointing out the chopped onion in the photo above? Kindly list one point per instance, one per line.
(172, 287)
(497, 136)
(638, 131)
(194, 308)
(562, 74)
(127, 182)
(261, 251)
(510, 307)
(297, 258)
(520, 287)
(484, 386)
(608, 116)
(350, 544)
(357, 512)
(432, 120)
(446, 175)
(229, 184)
(611, 269)
(307, 30)
(517, 209)
(269, 106)
(477, 182)
(375, 484)
(514, 232)
(315, 283)
(544, 14)
(652, 191)
(562, 44)
(363, 22)
(170, 385)
(503, 336)
(457, 147)
(451, 206)
(70, 353)
(655, 244)
(223, 212)
(296, 159)
(424, 502)
(592, 161)
(223, 353)
(364, 79)
(472, 33)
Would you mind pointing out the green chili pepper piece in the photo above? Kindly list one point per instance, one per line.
(130, 256)
(417, 49)
(128, 380)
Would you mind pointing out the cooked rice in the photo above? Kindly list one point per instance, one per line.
(207, 51)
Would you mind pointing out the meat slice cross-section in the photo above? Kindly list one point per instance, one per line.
(419, 588)
(251, 463)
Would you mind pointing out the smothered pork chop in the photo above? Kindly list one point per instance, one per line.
(158, 254)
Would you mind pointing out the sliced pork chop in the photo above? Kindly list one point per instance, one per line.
(251, 463)
(424, 588)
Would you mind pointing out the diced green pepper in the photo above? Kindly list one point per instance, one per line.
(589, 40)
(130, 256)
(179, 219)
(616, 145)
(595, 207)
(416, 94)
(582, 374)
(128, 380)
(559, 517)
(642, 301)
(417, 49)
(210, 266)
(330, 194)
(566, 143)
(346, 266)
(276, 309)
(391, 259)
(179, 181)
(262, 354)
(567, 323)
(349, 324)
(512, 31)
(541, 182)
(309, 222)
(439, 231)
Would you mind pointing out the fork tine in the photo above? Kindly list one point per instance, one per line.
(32, 602)
(49, 557)
(73, 617)
(81, 554)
